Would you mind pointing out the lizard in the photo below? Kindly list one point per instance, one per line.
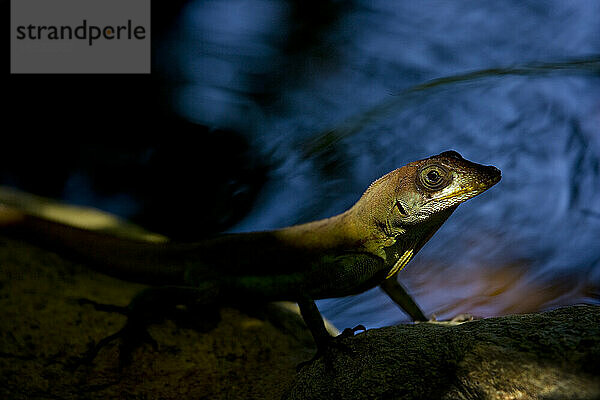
(343, 255)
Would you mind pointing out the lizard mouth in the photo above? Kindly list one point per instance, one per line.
(495, 175)
(492, 175)
(489, 183)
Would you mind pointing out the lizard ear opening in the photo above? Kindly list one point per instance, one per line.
(401, 209)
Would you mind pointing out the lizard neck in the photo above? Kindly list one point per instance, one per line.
(413, 238)
(338, 232)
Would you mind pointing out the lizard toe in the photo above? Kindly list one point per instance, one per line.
(349, 332)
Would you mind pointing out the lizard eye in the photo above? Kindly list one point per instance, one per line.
(434, 177)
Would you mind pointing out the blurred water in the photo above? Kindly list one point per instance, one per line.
(338, 115)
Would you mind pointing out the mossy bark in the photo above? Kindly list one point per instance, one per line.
(551, 355)
(43, 329)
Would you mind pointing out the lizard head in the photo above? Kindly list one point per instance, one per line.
(424, 193)
(437, 185)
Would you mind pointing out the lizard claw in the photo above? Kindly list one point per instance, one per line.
(464, 317)
(349, 332)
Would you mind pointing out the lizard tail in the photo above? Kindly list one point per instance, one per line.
(130, 259)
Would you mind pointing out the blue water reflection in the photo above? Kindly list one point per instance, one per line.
(529, 243)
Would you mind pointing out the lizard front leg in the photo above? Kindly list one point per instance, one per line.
(337, 276)
(398, 293)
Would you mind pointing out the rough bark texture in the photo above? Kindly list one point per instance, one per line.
(551, 355)
(43, 329)
(554, 355)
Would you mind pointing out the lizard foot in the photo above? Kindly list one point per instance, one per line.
(349, 332)
(464, 317)
(152, 305)
(132, 336)
(458, 319)
(333, 343)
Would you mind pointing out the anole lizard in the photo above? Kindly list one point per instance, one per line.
(339, 256)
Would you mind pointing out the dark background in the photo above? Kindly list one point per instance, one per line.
(114, 141)
(260, 114)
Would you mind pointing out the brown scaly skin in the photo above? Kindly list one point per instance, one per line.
(338, 256)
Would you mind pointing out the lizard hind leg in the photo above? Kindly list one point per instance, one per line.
(153, 305)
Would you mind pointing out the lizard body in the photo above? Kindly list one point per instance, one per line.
(339, 256)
